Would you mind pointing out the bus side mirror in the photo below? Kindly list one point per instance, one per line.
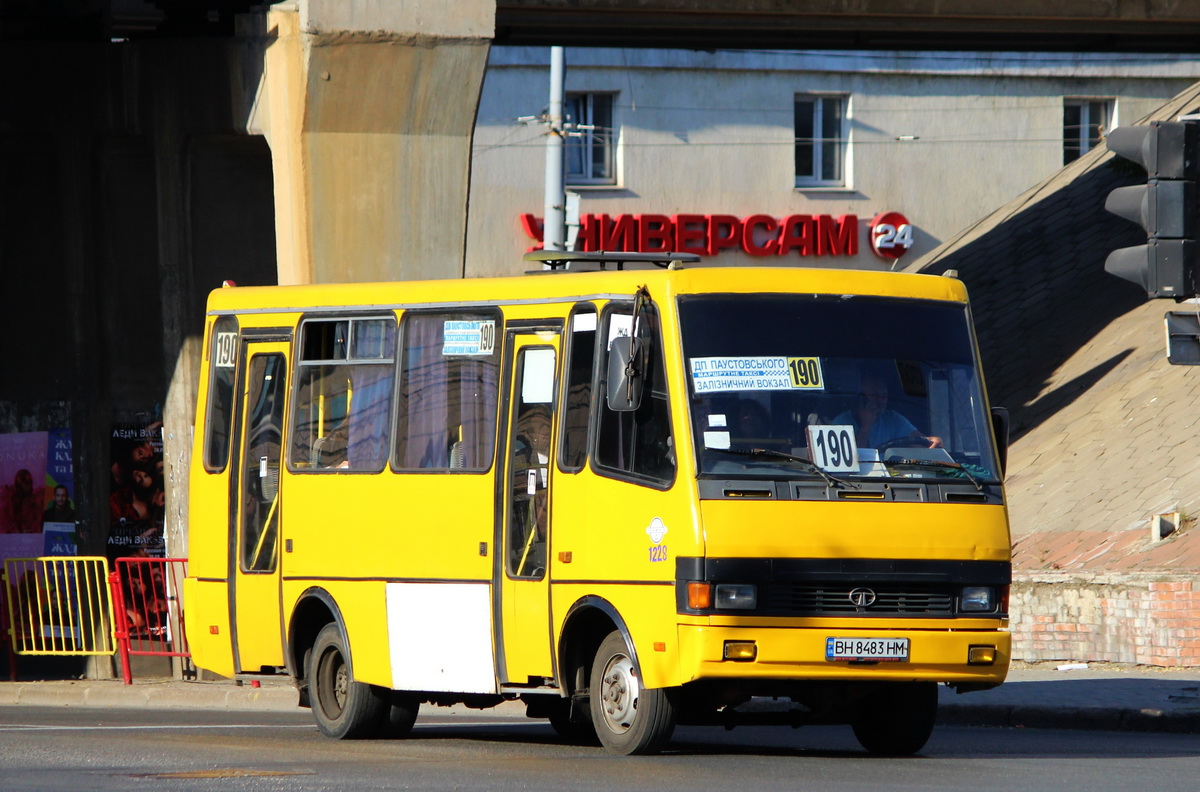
(624, 380)
(1000, 424)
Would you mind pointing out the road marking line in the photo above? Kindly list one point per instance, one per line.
(187, 727)
(41, 727)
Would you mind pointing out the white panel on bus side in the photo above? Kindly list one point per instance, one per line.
(440, 637)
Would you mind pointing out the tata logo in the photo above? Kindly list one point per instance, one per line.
(862, 597)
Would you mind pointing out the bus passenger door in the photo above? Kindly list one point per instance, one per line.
(523, 610)
(255, 517)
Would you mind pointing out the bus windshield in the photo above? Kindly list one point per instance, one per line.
(838, 387)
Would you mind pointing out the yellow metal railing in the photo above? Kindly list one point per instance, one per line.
(59, 605)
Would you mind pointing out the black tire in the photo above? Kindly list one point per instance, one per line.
(897, 720)
(343, 708)
(577, 730)
(628, 717)
(400, 716)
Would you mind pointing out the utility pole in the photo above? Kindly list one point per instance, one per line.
(554, 235)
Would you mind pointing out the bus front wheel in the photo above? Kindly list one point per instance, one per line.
(898, 719)
(628, 717)
(573, 725)
(343, 708)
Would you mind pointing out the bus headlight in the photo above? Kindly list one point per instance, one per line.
(737, 596)
(978, 599)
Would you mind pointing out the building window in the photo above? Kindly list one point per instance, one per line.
(591, 139)
(1084, 124)
(821, 141)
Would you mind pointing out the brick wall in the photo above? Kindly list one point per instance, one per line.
(1144, 619)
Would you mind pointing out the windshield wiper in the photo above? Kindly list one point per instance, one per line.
(933, 464)
(807, 464)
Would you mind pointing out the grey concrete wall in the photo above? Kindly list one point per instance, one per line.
(127, 190)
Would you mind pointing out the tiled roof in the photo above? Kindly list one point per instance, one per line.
(1104, 429)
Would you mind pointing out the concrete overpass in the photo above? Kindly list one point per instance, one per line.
(1020, 25)
(150, 150)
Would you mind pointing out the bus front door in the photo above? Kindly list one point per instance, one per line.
(255, 520)
(523, 609)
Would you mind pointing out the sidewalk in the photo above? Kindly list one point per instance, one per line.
(1099, 696)
(1083, 696)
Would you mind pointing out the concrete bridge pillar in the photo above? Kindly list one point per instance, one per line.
(369, 110)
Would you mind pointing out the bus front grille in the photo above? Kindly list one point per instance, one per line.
(840, 599)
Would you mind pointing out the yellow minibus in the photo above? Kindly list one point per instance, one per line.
(629, 490)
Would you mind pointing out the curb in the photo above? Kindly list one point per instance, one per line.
(1019, 716)
(166, 695)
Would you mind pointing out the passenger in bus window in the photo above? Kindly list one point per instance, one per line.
(751, 421)
(875, 424)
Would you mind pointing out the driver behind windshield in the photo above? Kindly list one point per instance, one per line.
(875, 424)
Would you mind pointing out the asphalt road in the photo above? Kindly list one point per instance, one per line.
(69, 749)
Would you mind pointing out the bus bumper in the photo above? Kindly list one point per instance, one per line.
(791, 653)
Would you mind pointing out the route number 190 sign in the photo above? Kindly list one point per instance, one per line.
(833, 447)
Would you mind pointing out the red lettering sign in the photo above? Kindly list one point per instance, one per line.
(690, 234)
(798, 233)
(534, 229)
(757, 235)
(718, 238)
(618, 235)
(837, 237)
(656, 233)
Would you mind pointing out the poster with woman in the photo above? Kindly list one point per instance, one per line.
(137, 501)
(22, 493)
(22, 482)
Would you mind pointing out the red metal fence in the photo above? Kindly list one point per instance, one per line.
(146, 596)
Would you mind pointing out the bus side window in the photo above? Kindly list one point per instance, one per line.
(223, 354)
(581, 356)
(344, 386)
(637, 444)
(449, 391)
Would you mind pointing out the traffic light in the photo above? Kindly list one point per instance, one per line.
(1165, 206)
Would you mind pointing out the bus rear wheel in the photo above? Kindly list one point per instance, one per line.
(898, 719)
(343, 708)
(400, 716)
(628, 717)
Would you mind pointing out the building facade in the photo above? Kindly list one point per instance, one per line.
(864, 160)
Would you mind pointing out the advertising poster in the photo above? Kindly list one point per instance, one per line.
(37, 518)
(22, 482)
(137, 503)
(22, 493)
(22, 502)
(59, 519)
